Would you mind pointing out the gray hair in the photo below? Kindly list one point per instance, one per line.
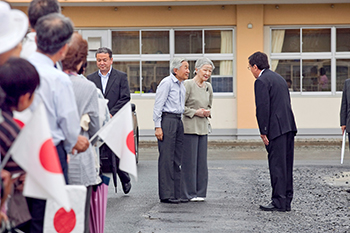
(203, 61)
(104, 50)
(176, 63)
(53, 31)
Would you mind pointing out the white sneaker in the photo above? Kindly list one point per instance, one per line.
(200, 199)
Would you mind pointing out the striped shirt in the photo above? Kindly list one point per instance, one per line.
(8, 133)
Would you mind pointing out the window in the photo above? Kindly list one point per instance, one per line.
(145, 54)
(311, 59)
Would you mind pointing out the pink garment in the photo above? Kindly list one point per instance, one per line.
(323, 82)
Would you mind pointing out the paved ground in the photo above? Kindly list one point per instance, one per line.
(238, 183)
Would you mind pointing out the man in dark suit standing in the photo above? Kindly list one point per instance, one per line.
(277, 129)
(114, 86)
(345, 108)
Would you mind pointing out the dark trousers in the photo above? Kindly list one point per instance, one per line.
(170, 154)
(62, 155)
(281, 157)
(194, 167)
(110, 163)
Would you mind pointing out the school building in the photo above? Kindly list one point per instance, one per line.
(308, 43)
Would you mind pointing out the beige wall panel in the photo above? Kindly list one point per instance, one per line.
(307, 14)
(144, 110)
(224, 113)
(157, 16)
(316, 112)
(248, 42)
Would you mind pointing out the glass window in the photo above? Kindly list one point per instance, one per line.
(218, 41)
(188, 41)
(290, 71)
(152, 73)
(315, 75)
(316, 40)
(133, 71)
(285, 40)
(90, 68)
(343, 39)
(222, 77)
(343, 72)
(155, 42)
(125, 42)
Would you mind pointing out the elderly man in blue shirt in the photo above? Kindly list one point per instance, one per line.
(56, 92)
(168, 109)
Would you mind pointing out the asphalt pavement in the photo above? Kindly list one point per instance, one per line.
(238, 184)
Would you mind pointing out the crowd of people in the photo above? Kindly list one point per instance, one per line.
(47, 68)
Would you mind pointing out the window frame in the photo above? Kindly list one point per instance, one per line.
(333, 55)
(168, 57)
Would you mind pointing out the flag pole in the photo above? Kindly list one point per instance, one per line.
(108, 123)
(343, 148)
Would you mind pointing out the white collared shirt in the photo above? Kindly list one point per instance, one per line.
(104, 79)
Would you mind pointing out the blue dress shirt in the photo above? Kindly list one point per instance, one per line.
(56, 92)
(170, 97)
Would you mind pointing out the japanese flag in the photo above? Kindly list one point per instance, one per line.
(118, 134)
(35, 152)
(59, 220)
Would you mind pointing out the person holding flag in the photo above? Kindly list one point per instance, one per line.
(53, 33)
(18, 79)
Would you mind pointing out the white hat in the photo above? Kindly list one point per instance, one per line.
(13, 27)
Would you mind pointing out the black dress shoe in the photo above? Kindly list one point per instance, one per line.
(170, 201)
(271, 207)
(127, 187)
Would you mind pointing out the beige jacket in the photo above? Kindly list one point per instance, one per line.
(196, 98)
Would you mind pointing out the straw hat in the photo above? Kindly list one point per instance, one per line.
(13, 27)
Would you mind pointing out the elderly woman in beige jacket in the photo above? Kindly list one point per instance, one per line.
(198, 101)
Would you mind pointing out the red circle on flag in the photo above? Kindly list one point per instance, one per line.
(19, 123)
(63, 221)
(49, 157)
(130, 142)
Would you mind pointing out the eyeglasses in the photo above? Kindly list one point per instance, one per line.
(248, 67)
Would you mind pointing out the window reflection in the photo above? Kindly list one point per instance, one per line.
(188, 41)
(316, 40)
(343, 72)
(343, 38)
(155, 42)
(125, 42)
(290, 71)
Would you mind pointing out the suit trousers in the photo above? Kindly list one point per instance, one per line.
(170, 154)
(194, 168)
(111, 164)
(281, 158)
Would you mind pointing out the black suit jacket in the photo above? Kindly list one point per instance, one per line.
(345, 106)
(117, 89)
(273, 109)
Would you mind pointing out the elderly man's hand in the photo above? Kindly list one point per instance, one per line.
(159, 133)
(81, 145)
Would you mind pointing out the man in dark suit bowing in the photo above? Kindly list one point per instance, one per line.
(277, 129)
(114, 86)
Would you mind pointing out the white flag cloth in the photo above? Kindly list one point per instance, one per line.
(118, 134)
(343, 148)
(35, 152)
(59, 220)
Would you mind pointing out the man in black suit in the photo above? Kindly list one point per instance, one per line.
(114, 86)
(277, 129)
(345, 108)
